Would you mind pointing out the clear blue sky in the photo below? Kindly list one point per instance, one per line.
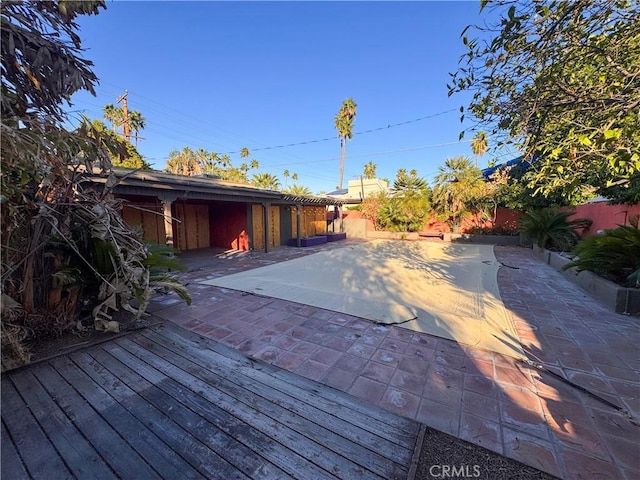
(224, 75)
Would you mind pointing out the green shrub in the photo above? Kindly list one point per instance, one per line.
(615, 254)
(552, 229)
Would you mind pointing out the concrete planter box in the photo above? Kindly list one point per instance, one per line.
(482, 239)
(308, 241)
(334, 237)
(613, 296)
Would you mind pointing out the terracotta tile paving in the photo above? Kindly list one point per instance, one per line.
(485, 398)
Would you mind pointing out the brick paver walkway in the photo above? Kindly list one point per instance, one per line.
(482, 397)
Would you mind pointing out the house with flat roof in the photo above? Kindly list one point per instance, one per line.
(190, 212)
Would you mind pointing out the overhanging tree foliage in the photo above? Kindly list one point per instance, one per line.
(561, 81)
(63, 247)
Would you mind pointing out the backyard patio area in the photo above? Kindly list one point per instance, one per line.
(484, 397)
(242, 385)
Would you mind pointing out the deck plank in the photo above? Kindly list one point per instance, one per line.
(151, 448)
(11, 465)
(79, 456)
(112, 447)
(365, 445)
(167, 403)
(372, 418)
(264, 437)
(200, 442)
(333, 448)
(38, 454)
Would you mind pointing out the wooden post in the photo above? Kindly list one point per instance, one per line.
(167, 202)
(125, 114)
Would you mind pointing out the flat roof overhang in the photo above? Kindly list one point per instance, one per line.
(151, 183)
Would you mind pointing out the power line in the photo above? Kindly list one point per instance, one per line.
(422, 147)
(357, 133)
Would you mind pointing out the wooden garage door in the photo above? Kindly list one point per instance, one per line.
(274, 226)
(149, 218)
(193, 228)
(258, 227)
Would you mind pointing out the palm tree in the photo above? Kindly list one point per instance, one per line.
(370, 170)
(208, 161)
(294, 177)
(244, 152)
(225, 161)
(254, 164)
(266, 180)
(137, 122)
(184, 162)
(479, 145)
(344, 124)
(297, 190)
(114, 115)
(286, 176)
(457, 185)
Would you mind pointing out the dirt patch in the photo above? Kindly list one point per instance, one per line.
(444, 456)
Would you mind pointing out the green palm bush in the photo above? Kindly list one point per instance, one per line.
(161, 261)
(614, 254)
(551, 228)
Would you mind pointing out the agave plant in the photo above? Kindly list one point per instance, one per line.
(551, 228)
(614, 254)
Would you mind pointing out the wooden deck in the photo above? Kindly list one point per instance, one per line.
(167, 403)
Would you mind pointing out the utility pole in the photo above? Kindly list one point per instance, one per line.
(125, 115)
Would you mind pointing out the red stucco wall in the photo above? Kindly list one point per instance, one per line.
(605, 216)
(228, 226)
(601, 214)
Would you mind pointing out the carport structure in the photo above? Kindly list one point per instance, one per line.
(190, 212)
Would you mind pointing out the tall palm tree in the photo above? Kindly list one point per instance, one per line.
(286, 176)
(479, 145)
(184, 162)
(344, 124)
(266, 180)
